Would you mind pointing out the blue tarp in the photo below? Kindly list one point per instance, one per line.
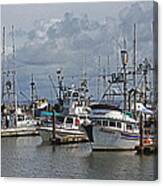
(48, 114)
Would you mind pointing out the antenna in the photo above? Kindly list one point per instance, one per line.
(135, 70)
(85, 73)
(14, 69)
(124, 43)
(3, 62)
(134, 59)
(108, 66)
(108, 74)
(98, 79)
(117, 53)
(3, 42)
(104, 79)
(13, 42)
(32, 89)
(33, 95)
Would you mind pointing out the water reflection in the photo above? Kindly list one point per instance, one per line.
(28, 157)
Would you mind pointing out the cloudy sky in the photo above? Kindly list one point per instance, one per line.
(72, 36)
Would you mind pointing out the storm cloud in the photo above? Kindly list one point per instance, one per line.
(71, 41)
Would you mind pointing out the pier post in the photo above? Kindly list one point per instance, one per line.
(125, 88)
(54, 121)
(141, 134)
(135, 102)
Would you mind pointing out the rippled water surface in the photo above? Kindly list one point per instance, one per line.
(28, 157)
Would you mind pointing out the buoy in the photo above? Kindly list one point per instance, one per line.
(148, 141)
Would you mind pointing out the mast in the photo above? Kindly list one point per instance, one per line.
(104, 78)
(124, 56)
(145, 70)
(33, 96)
(125, 87)
(108, 72)
(14, 70)
(98, 79)
(60, 78)
(117, 51)
(134, 59)
(135, 71)
(3, 63)
(108, 66)
(9, 96)
(155, 63)
(145, 73)
(14, 75)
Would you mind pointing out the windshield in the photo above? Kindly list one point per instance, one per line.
(69, 120)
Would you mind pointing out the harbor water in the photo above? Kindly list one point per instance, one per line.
(28, 157)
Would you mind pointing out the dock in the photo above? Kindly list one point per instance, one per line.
(69, 139)
(16, 132)
(147, 149)
(115, 149)
(32, 131)
(61, 135)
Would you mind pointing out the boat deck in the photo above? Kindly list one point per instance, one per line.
(22, 131)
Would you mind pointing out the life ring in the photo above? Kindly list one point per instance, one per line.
(147, 141)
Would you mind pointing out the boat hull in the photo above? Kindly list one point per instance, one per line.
(113, 140)
(47, 135)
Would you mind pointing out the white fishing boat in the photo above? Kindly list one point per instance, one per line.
(76, 110)
(24, 120)
(113, 130)
(70, 126)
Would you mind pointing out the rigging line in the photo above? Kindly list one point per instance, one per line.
(139, 82)
(118, 84)
(109, 86)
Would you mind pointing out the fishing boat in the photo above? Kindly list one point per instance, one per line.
(24, 119)
(70, 126)
(113, 130)
(76, 111)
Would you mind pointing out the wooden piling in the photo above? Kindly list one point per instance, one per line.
(141, 134)
(54, 129)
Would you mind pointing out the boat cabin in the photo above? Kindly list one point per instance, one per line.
(24, 120)
(71, 122)
(117, 121)
(117, 125)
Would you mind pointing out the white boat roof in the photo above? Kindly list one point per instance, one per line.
(117, 115)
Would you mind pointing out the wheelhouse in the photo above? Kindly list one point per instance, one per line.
(117, 125)
(72, 122)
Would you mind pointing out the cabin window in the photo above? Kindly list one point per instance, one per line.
(65, 95)
(112, 124)
(129, 127)
(105, 123)
(119, 125)
(75, 94)
(99, 122)
(69, 120)
(69, 94)
(27, 118)
(20, 118)
(134, 126)
(60, 119)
